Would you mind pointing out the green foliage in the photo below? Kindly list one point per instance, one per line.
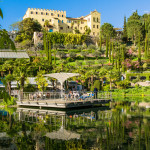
(7, 99)
(134, 27)
(69, 59)
(72, 55)
(69, 46)
(66, 38)
(123, 84)
(8, 102)
(26, 29)
(107, 30)
(87, 30)
(125, 36)
(92, 47)
(96, 84)
(61, 54)
(147, 75)
(96, 54)
(29, 88)
(84, 53)
(106, 87)
(41, 81)
(5, 41)
(26, 43)
(1, 13)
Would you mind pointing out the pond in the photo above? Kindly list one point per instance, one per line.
(119, 126)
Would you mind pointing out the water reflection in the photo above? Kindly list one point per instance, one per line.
(121, 127)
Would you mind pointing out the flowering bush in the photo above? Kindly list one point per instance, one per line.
(40, 35)
(127, 63)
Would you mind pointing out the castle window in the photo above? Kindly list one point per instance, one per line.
(82, 22)
(68, 27)
(41, 13)
(68, 21)
(61, 28)
(75, 27)
(52, 14)
(93, 19)
(97, 26)
(31, 12)
(50, 20)
(58, 15)
(62, 15)
(97, 20)
(36, 13)
(93, 33)
(62, 21)
(47, 14)
(42, 19)
(93, 26)
(58, 21)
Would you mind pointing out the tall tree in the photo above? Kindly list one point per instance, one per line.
(27, 27)
(5, 41)
(139, 50)
(134, 27)
(107, 32)
(1, 13)
(124, 36)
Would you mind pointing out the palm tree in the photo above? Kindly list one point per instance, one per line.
(112, 76)
(102, 74)
(1, 13)
(20, 72)
(46, 24)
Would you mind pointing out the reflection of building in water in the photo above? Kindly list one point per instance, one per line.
(52, 116)
(6, 142)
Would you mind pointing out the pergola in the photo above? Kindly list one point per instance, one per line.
(62, 77)
(63, 134)
(9, 54)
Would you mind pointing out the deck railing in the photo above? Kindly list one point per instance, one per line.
(35, 96)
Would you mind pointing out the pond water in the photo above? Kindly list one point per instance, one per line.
(120, 126)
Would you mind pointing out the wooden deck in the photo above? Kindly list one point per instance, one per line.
(59, 103)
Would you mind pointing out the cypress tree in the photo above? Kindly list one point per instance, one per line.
(112, 53)
(106, 46)
(109, 51)
(50, 54)
(100, 45)
(123, 58)
(124, 36)
(145, 53)
(139, 50)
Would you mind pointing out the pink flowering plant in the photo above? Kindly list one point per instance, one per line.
(127, 63)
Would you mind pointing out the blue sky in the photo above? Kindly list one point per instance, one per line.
(112, 11)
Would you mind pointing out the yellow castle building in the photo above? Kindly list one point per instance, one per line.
(58, 22)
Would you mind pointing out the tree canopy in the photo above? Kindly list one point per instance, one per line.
(107, 30)
(27, 27)
(134, 27)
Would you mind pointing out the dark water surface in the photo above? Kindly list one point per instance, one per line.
(120, 126)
